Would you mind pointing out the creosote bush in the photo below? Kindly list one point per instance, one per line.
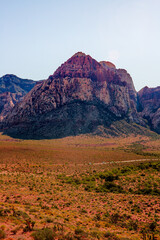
(110, 236)
(44, 234)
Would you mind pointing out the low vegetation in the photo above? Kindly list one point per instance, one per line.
(116, 180)
(80, 188)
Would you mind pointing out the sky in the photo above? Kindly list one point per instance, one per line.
(37, 36)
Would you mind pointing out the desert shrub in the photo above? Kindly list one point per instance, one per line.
(152, 226)
(80, 234)
(115, 218)
(78, 231)
(68, 236)
(126, 170)
(132, 225)
(148, 165)
(29, 225)
(96, 234)
(4, 212)
(108, 176)
(110, 236)
(136, 208)
(15, 230)
(1, 212)
(2, 234)
(20, 213)
(106, 214)
(148, 191)
(69, 179)
(146, 235)
(44, 234)
(83, 211)
(112, 187)
(97, 217)
(90, 186)
(142, 166)
(49, 220)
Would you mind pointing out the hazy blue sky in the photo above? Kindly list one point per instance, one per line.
(36, 36)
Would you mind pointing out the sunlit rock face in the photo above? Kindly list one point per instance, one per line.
(80, 96)
(149, 106)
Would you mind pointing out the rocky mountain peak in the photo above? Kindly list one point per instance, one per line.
(79, 54)
(80, 96)
(80, 65)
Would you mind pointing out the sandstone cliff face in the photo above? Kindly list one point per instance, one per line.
(149, 106)
(12, 90)
(81, 95)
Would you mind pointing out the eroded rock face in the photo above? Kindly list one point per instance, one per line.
(149, 106)
(81, 95)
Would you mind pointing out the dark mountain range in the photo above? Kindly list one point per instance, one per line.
(82, 96)
(149, 106)
(12, 90)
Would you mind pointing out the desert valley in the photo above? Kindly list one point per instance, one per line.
(79, 155)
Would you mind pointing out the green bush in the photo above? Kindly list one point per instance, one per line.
(148, 191)
(108, 176)
(80, 234)
(44, 234)
(110, 187)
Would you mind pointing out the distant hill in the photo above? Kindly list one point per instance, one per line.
(12, 90)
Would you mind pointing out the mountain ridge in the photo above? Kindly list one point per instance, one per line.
(81, 96)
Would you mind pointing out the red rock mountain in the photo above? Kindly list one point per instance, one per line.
(149, 106)
(82, 96)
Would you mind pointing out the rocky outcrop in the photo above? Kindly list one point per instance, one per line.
(12, 90)
(149, 106)
(108, 65)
